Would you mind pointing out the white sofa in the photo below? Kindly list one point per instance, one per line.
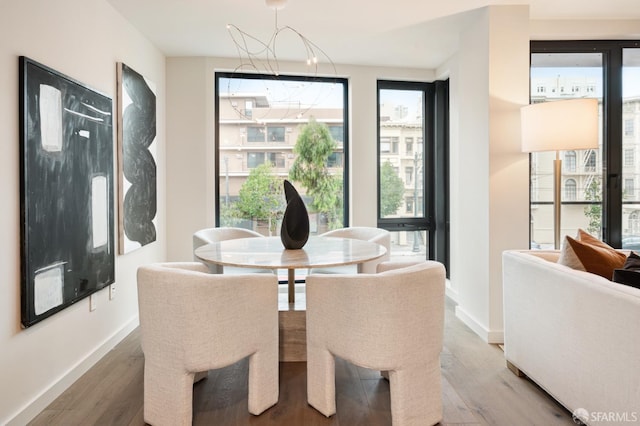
(575, 334)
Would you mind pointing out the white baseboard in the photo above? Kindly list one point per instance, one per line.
(450, 292)
(489, 336)
(40, 402)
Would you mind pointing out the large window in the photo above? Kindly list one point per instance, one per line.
(412, 180)
(629, 231)
(604, 201)
(263, 128)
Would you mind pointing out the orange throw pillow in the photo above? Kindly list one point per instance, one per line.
(587, 253)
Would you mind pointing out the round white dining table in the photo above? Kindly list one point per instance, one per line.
(269, 253)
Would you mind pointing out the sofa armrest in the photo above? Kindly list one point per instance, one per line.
(572, 332)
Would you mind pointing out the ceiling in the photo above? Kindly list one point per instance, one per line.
(407, 33)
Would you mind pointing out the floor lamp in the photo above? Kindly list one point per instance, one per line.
(559, 126)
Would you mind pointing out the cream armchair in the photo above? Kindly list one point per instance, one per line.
(192, 321)
(212, 235)
(371, 234)
(391, 321)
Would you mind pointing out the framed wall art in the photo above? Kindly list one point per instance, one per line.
(136, 160)
(66, 191)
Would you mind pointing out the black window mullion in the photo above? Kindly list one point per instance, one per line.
(440, 163)
(612, 134)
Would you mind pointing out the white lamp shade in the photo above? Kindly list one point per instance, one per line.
(560, 125)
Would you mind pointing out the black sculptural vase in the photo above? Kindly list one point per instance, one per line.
(294, 232)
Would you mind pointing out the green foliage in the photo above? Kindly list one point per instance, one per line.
(229, 215)
(329, 201)
(313, 148)
(261, 196)
(391, 190)
(594, 211)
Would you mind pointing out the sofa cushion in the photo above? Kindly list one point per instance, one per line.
(629, 274)
(632, 262)
(587, 253)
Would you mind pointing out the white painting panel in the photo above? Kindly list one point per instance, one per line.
(50, 118)
(48, 285)
(99, 211)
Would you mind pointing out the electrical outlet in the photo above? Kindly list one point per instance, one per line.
(112, 291)
(92, 302)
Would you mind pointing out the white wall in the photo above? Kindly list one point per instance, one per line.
(82, 39)
(190, 142)
(564, 29)
(489, 174)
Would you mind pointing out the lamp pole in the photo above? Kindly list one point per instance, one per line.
(226, 179)
(557, 199)
(416, 234)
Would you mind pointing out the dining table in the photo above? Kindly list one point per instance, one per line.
(270, 253)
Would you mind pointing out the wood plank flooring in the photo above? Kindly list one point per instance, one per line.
(478, 389)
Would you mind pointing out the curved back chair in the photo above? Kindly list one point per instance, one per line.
(192, 321)
(391, 321)
(212, 235)
(371, 234)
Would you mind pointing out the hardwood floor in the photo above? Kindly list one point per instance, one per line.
(478, 389)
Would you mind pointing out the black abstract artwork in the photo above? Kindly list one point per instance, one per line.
(66, 191)
(136, 145)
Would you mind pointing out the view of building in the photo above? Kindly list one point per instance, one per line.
(255, 130)
(582, 170)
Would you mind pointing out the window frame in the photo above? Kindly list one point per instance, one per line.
(612, 132)
(409, 223)
(344, 82)
(435, 166)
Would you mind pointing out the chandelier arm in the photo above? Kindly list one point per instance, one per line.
(252, 57)
(244, 46)
(265, 59)
(324, 54)
(271, 53)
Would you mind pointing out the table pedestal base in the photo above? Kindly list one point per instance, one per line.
(293, 335)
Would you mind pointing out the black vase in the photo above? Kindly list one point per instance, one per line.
(294, 232)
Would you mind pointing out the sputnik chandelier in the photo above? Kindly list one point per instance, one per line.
(262, 57)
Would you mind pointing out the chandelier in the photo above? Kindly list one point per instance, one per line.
(260, 56)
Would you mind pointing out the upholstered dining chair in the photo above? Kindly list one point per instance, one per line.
(366, 233)
(212, 235)
(192, 321)
(391, 321)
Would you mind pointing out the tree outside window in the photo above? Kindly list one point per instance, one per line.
(391, 190)
(313, 149)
